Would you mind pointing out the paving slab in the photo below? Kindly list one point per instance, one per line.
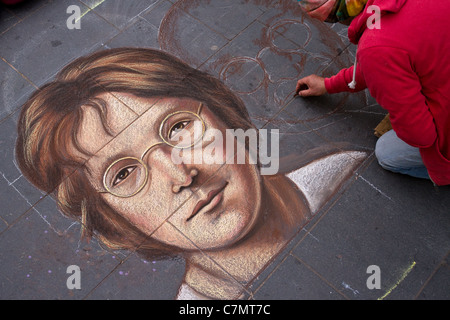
(47, 44)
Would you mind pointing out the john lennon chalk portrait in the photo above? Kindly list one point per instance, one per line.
(98, 138)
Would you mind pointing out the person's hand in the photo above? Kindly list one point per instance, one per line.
(311, 86)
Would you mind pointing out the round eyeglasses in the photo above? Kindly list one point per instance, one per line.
(127, 176)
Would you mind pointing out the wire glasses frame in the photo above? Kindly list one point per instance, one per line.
(127, 176)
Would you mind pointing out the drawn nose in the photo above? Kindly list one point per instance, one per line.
(180, 175)
(189, 179)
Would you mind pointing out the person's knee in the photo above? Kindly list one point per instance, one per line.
(383, 151)
(397, 156)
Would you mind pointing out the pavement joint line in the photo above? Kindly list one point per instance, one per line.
(89, 9)
(263, 282)
(245, 290)
(442, 263)
(32, 206)
(20, 73)
(326, 281)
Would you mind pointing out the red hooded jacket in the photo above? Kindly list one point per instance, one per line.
(405, 64)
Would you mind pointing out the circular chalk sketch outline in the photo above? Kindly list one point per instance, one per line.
(169, 44)
(272, 30)
(229, 64)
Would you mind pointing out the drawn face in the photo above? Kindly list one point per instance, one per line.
(189, 206)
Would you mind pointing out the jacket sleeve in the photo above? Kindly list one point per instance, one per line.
(392, 81)
(339, 82)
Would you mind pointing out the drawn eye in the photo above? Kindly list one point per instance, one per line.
(123, 174)
(177, 128)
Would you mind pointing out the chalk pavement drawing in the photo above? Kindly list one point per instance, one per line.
(95, 138)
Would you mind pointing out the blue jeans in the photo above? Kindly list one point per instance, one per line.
(395, 155)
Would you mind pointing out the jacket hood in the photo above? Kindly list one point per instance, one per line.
(359, 23)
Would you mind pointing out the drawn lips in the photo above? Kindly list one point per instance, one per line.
(209, 199)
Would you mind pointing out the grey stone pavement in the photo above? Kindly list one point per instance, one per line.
(259, 49)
